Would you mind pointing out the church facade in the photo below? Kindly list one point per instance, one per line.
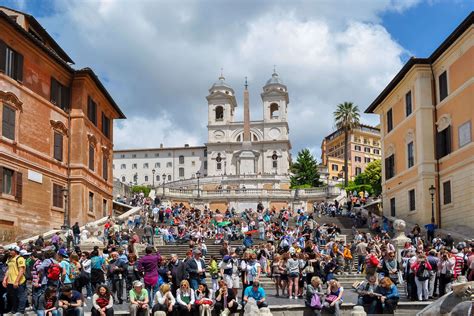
(234, 148)
(248, 147)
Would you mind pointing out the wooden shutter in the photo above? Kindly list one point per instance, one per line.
(1, 180)
(58, 146)
(18, 67)
(91, 158)
(19, 187)
(54, 91)
(66, 98)
(8, 122)
(447, 140)
(3, 55)
(105, 168)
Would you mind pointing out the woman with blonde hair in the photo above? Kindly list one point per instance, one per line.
(389, 296)
(276, 273)
(333, 298)
(185, 299)
(164, 300)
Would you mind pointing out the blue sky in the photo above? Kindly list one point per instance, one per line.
(159, 58)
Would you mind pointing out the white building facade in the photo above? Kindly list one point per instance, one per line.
(234, 148)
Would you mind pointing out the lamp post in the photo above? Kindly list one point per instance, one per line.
(66, 223)
(153, 172)
(198, 175)
(135, 178)
(164, 181)
(432, 190)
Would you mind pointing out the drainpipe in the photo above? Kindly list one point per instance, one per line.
(68, 211)
(437, 176)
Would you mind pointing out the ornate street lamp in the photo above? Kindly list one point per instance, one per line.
(198, 175)
(432, 190)
(66, 223)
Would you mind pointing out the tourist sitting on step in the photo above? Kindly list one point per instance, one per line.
(257, 293)
(388, 300)
(102, 302)
(367, 293)
(70, 302)
(225, 300)
(139, 301)
(185, 300)
(164, 300)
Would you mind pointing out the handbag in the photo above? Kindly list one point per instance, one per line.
(331, 298)
(316, 301)
(400, 277)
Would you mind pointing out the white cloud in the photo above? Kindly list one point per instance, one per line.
(160, 57)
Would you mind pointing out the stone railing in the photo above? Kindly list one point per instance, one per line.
(311, 193)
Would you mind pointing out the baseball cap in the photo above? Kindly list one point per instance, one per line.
(23, 252)
(15, 248)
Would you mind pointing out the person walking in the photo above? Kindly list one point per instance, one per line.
(148, 265)
(196, 268)
(361, 251)
(422, 269)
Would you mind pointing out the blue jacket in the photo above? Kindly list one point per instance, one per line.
(389, 293)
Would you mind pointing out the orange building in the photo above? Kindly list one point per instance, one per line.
(426, 115)
(56, 133)
(364, 147)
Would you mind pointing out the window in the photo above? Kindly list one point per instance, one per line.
(104, 207)
(181, 172)
(275, 160)
(205, 165)
(366, 141)
(157, 154)
(447, 192)
(392, 207)
(334, 167)
(193, 163)
(205, 152)
(11, 62)
(169, 154)
(358, 171)
(411, 200)
(134, 166)
(157, 177)
(58, 146)
(105, 125)
(122, 156)
(58, 200)
(169, 177)
(443, 142)
(157, 165)
(169, 165)
(105, 168)
(443, 86)
(145, 165)
(123, 178)
(91, 158)
(219, 113)
(389, 121)
(134, 156)
(357, 147)
(8, 181)
(274, 111)
(146, 178)
(92, 110)
(376, 151)
(367, 159)
(357, 159)
(367, 149)
(181, 159)
(219, 166)
(389, 167)
(91, 202)
(123, 166)
(408, 104)
(8, 122)
(146, 155)
(411, 158)
(59, 95)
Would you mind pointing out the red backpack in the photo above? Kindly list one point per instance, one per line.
(54, 271)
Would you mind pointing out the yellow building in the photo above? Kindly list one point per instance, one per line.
(426, 115)
(364, 147)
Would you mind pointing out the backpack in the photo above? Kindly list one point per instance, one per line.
(54, 271)
(28, 270)
(422, 273)
(73, 271)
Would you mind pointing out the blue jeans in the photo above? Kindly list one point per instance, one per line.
(360, 263)
(43, 313)
(17, 298)
(151, 293)
(196, 281)
(75, 311)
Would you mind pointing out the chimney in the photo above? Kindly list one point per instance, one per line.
(161, 145)
(186, 145)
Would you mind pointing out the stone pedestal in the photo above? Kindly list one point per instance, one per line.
(358, 311)
(400, 239)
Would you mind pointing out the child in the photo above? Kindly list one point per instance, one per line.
(214, 271)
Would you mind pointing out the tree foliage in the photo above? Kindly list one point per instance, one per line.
(370, 180)
(346, 117)
(141, 188)
(305, 170)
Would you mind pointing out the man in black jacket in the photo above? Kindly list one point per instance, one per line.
(196, 268)
(176, 272)
(116, 272)
(77, 233)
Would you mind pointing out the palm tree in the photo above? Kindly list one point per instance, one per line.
(346, 118)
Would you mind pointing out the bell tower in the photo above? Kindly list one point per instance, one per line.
(275, 100)
(221, 103)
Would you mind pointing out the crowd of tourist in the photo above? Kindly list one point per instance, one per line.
(303, 256)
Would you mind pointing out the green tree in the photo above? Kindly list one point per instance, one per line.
(305, 170)
(347, 118)
(141, 188)
(370, 180)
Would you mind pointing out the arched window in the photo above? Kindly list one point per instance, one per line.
(157, 177)
(274, 110)
(255, 138)
(169, 178)
(123, 178)
(219, 113)
(239, 138)
(146, 178)
(275, 160)
(181, 159)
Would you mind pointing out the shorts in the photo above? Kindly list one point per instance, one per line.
(235, 282)
(229, 281)
(294, 275)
